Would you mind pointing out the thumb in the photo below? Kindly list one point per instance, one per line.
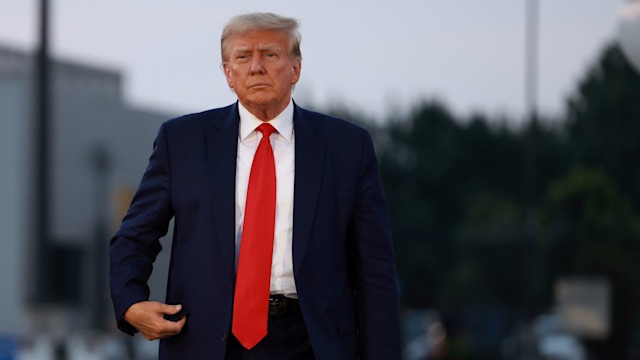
(171, 309)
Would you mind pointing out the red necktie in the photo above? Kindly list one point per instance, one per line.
(253, 278)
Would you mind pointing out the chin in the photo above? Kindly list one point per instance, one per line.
(260, 101)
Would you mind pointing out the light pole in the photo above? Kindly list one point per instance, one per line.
(531, 99)
(531, 60)
(98, 249)
(42, 243)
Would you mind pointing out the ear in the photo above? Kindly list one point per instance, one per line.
(297, 68)
(227, 73)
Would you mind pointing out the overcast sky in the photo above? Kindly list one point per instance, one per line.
(376, 56)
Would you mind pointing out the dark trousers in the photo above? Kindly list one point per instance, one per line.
(287, 339)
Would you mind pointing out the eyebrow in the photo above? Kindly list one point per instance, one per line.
(267, 47)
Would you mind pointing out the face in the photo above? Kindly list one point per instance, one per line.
(260, 69)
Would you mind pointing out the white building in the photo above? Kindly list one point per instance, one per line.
(88, 113)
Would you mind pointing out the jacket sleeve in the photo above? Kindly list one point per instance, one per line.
(373, 265)
(134, 248)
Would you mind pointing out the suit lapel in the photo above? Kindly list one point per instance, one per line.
(222, 145)
(310, 148)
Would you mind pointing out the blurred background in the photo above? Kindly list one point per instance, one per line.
(507, 134)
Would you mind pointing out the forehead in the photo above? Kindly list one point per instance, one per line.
(272, 39)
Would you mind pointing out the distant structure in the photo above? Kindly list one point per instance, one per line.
(99, 148)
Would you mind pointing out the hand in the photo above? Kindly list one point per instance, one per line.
(148, 318)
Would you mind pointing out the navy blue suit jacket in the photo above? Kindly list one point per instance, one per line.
(342, 250)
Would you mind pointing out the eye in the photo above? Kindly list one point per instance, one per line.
(271, 54)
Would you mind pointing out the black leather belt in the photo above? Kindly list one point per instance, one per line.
(282, 306)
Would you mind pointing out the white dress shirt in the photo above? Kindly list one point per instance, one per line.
(282, 142)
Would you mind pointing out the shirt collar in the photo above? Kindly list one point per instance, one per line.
(283, 122)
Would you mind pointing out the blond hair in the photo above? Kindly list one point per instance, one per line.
(241, 24)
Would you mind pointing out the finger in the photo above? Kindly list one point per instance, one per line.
(177, 324)
(171, 328)
(170, 309)
(160, 330)
(182, 321)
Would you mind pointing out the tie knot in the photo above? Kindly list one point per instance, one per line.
(266, 129)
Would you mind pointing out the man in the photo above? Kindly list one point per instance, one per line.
(327, 289)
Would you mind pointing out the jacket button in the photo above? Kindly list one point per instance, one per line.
(224, 337)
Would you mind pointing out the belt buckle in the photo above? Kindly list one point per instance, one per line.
(276, 306)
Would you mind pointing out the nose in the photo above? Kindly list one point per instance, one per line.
(257, 65)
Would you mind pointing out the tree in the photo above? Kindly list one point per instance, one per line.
(593, 230)
(603, 121)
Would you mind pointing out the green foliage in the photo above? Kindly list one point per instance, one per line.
(462, 198)
(489, 216)
(603, 120)
(593, 230)
(589, 203)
